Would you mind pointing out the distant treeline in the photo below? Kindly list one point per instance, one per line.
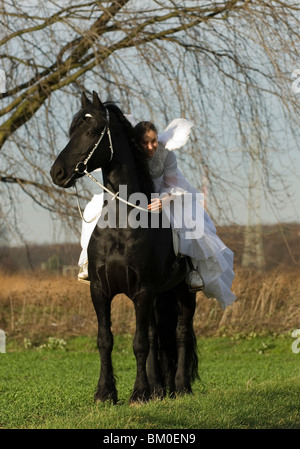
(281, 243)
(281, 248)
(33, 256)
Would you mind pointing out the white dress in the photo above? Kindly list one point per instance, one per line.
(210, 256)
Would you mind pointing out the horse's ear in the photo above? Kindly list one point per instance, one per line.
(84, 100)
(96, 101)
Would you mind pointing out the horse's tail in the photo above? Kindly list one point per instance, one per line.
(192, 356)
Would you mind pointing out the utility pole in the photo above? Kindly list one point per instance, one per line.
(253, 255)
(205, 187)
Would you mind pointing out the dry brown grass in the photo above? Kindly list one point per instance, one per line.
(33, 306)
(266, 302)
(38, 306)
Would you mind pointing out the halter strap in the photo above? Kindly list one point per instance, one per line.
(81, 167)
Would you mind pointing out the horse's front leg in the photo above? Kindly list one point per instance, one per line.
(143, 306)
(106, 385)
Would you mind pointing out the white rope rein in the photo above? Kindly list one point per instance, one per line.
(114, 196)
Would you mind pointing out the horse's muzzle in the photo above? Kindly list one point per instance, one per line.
(60, 176)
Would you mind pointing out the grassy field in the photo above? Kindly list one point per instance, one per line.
(250, 377)
(246, 383)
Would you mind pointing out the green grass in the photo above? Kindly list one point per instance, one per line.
(251, 382)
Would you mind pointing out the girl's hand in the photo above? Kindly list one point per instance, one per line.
(156, 205)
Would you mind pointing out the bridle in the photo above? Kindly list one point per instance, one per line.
(81, 169)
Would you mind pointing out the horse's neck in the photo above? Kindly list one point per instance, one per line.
(122, 171)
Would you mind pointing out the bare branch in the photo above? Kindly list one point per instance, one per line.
(225, 65)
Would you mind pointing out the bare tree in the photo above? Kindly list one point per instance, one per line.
(226, 65)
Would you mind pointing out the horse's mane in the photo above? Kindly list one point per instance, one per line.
(139, 153)
(76, 119)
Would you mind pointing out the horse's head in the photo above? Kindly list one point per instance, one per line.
(89, 126)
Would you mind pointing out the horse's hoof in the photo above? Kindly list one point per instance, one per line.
(158, 393)
(139, 397)
(108, 397)
(183, 391)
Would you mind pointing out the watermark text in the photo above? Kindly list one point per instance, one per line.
(183, 212)
(2, 81)
(296, 83)
(2, 341)
(296, 343)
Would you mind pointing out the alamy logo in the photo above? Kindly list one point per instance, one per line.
(296, 343)
(296, 83)
(2, 81)
(183, 212)
(2, 341)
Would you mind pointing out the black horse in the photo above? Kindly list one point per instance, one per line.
(137, 261)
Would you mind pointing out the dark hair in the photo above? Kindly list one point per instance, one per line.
(143, 127)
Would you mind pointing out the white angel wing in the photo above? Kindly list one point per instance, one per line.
(176, 134)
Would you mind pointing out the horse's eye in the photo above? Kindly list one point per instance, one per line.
(88, 115)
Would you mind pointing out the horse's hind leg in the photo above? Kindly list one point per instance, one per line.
(153, 366)
(143, 307)
(106, 385)
(166, 310)
(187, 365)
